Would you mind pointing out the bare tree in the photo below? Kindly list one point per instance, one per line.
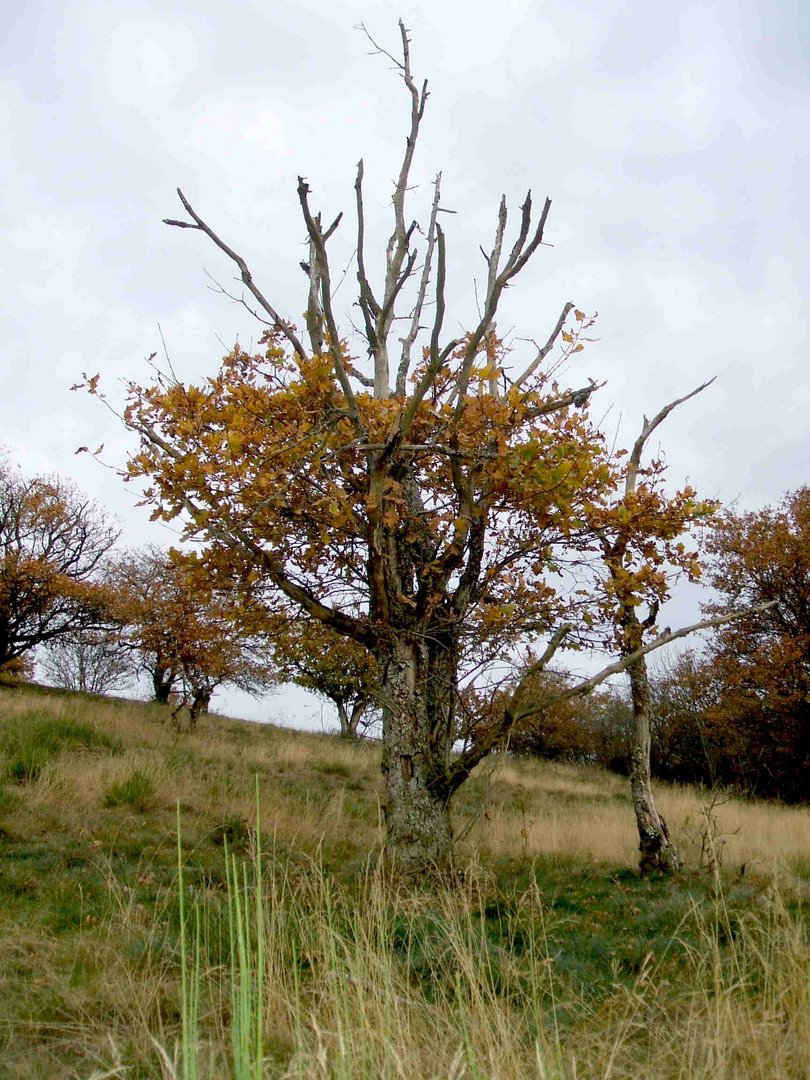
(94, 662)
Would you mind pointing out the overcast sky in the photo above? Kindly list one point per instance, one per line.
(672, 139)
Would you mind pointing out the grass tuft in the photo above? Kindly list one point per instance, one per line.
(135, 791)
(34, 738)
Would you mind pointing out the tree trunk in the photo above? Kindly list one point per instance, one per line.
(657, 851)
(417, 812)
(200, 703)
(343, 719)
(162, 683)
(349, 719)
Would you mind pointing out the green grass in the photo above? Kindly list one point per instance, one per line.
(135, 791)
(273, 944)
(29, 742)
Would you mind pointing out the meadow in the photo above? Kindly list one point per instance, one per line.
(216, 905)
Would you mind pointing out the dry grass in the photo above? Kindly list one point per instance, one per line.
(545, 809)
(554, 960)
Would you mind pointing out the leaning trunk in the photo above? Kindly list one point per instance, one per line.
(417, 812)
(657, 851)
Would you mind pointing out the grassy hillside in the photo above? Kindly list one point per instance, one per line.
(550, 959)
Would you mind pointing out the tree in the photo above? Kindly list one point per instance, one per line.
(182, 630)
(20, 669)
(52, 544)
(762, 661)
(638, 545)
(567, 729)
(148, 618)
(687, 746)
(436, 507)
(309, 654)
(94, 662)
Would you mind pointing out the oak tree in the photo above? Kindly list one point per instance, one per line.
(182, 631)
(434, 498)
(310, 655)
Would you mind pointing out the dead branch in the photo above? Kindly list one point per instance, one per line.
(666, 638)
(397, 269)
(410, 337)
(320, 268)
(285, 327)
(367, 300)
(520, 254)
(549, 345)
(648, 428)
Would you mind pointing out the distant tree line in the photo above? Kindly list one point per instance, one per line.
(96, 617)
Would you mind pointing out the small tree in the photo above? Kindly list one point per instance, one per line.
(181, 630)
(688, 747)
(437, 507)
(312, 656)
(641, 546)
(145, 607)
(52, 544)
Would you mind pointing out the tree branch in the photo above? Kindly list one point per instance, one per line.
(367, 300)
(319, 256)
(666, 638)
(397, 248)
(466, 762)
(648, 428)
(247, 278)
(520, 254)
(549, 345)
(578, 398)
(437, 358)
(410, 337)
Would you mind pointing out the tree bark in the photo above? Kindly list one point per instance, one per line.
(657, 851)
(415, 739)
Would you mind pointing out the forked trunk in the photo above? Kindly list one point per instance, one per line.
(349, 718)
(415, 740)
(657, 851)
